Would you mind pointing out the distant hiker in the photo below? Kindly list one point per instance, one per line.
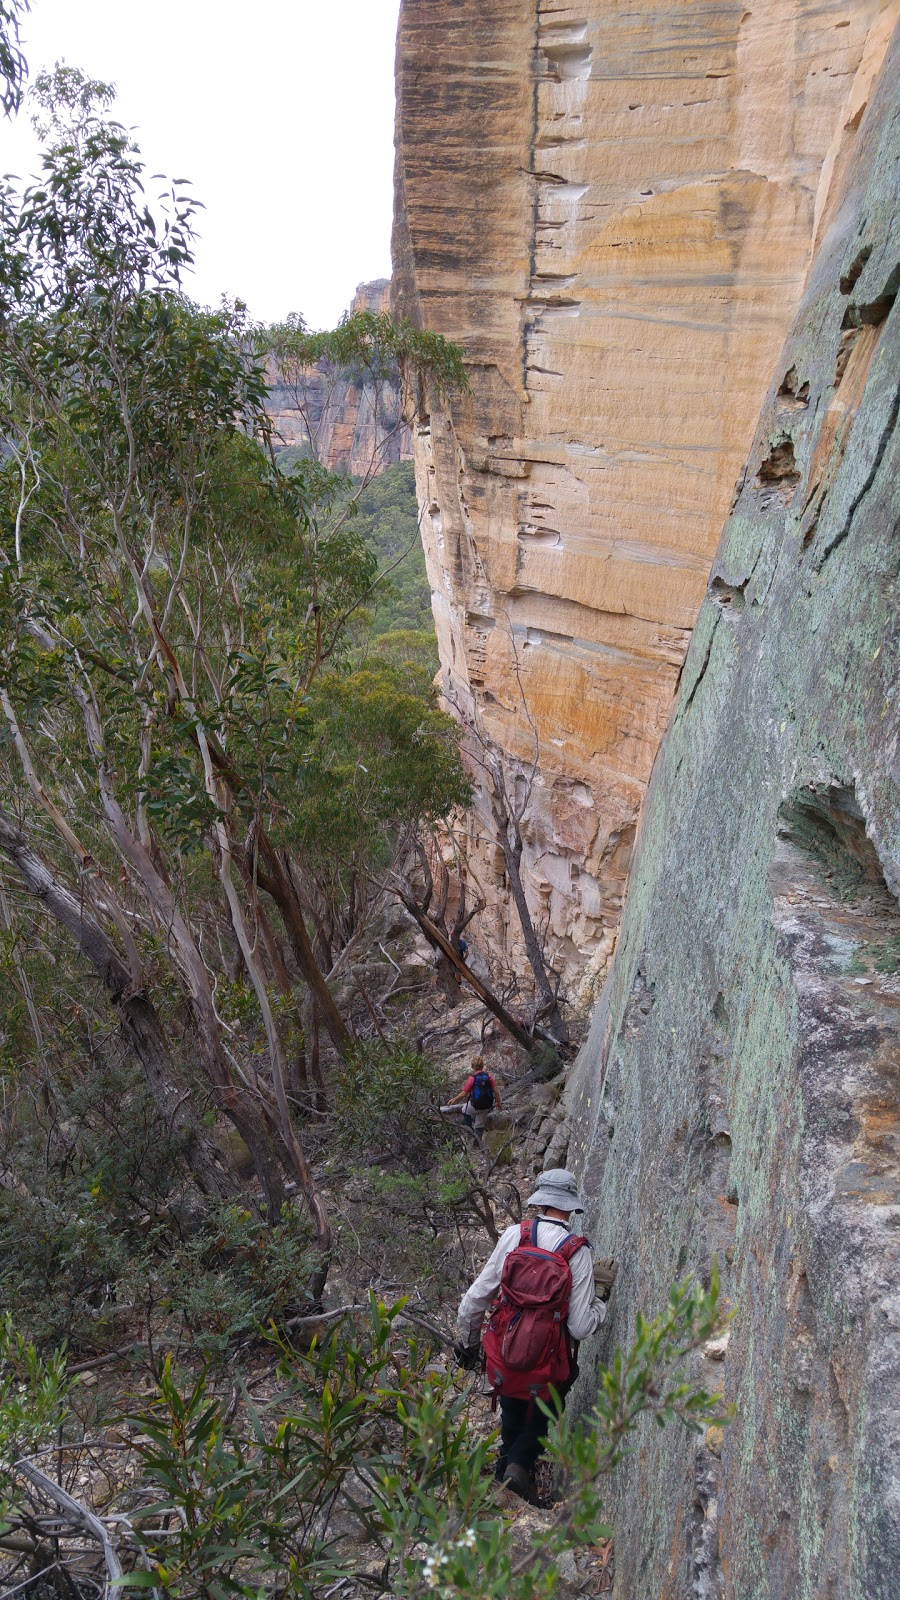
(545, 1294)
(481, 1094)
(461, 946)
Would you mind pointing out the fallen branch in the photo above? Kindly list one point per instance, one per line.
(422, 1322)
(321, 1316)
(30, 1581)
(77, 1512)
(18, 1543)
(118, 1354)
(440, 942)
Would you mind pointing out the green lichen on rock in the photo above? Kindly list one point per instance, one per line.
(739, 1095)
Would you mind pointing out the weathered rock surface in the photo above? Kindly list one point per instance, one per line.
(613, 210)
(740, 1091)
(355, 424)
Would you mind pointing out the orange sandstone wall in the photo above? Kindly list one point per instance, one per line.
(613, 210)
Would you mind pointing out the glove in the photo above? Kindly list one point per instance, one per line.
(468, 1356)
(604, 1277)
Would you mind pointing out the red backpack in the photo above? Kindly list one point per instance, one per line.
(526, 1343)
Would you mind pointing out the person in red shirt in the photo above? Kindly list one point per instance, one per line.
(481, 1095)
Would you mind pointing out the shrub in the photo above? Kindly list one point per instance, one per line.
(82, 1276)
(365, 1464)
(544, 1061)
(236, 1275)
(33, 1405)
(386, 1099)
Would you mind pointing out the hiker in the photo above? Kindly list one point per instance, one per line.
(545, 1294)
(481, 1095)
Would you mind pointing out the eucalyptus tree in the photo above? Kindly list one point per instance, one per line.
(170, 608)
(13, 67)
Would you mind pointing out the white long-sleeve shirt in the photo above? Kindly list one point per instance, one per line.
(586, 1312)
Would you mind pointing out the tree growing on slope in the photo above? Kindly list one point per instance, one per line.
(172, 614)
(509, 797)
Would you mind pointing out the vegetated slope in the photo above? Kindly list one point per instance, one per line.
(739, 1095)
(215, 788)
(388, 519)
(139, 1009)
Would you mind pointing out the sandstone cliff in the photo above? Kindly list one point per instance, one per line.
(623, 215)
(740, 1090)
(356, 428)
(613, 210)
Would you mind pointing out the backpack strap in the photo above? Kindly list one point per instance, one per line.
(570, 1245)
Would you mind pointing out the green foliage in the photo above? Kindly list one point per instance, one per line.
(410, 651)
(260, 579)
(366, 1440)
(887, 956)
(75, 1269)
(385, 516)
(233, 1275)
(254, 1500)
(33, 1405)
(385, 1100)
(650, 1378)
(544, 1061)
(387, 519)
(379, 758)
(183, 627)
(876, 956)
(62, 1262)
(106, 1234)
(13, 67)
(409, 1206)
(33, 1393)
(370, 343)
(83, 244)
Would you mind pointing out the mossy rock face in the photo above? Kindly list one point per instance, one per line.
(544, 1062)
(498, 1145)
(739, 1093)
(238, 1154)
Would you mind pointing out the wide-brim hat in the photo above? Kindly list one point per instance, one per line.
(557, 1188)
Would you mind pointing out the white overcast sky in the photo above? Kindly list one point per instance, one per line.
(281, 115)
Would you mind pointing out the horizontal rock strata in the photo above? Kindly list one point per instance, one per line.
(353, 425)
(613, 210)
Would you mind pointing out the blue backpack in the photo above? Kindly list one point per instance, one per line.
(482, 1095)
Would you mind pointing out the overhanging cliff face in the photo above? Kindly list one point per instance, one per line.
(740, 1091)
(613, 211)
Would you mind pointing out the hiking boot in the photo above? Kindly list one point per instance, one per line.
(520, 1481)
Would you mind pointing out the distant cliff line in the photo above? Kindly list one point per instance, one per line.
(351, 426)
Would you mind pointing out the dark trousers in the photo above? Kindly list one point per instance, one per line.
(523, 1431)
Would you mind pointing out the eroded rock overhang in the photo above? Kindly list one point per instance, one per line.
(613, 210)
